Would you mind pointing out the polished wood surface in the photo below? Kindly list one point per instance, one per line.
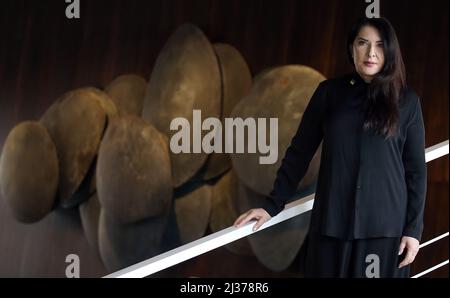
(43, 54)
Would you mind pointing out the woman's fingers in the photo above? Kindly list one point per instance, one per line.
(412, 248)
(259, 223)
(409, 258)
(259, 214)
(402, 246)
(238, 220)
(245, 217)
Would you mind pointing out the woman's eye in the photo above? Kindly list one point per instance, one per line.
(361, 43)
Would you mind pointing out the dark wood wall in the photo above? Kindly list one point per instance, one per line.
(43, 54)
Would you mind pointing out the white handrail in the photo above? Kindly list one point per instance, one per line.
(430, 269)
(436, 151)
(208, 243)
(225, 236)
(433, 240)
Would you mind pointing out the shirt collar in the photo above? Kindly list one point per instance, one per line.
(357, 80)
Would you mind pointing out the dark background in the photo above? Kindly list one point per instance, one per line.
(43, 54)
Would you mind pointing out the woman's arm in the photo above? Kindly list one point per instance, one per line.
(415, 173)
(299, 154)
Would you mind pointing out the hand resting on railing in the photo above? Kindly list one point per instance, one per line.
(259, 214)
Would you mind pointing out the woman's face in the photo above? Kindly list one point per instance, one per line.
(368, 53)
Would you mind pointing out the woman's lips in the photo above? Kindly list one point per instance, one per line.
(369, 64)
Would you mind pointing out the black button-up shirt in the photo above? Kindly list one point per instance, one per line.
(368, 186)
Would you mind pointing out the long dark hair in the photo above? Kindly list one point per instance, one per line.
(385, 90)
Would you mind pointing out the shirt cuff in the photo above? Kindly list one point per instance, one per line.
(415, 233)
(271, 207)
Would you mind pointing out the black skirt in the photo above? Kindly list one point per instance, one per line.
(328, 257)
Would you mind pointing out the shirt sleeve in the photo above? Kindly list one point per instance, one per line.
(415, 173)
(301, 150)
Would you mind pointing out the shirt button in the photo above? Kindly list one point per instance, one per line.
(358, 187)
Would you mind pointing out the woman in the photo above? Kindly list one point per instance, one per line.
(367, 218)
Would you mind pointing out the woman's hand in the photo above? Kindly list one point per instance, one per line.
(412, 247)
(259, 214)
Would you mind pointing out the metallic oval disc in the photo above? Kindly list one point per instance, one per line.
(76, 124)
(133, 170)
(185, 77)
(29, 171)
(236, 84)
(192, 212)
(282, 93)
(128, 93)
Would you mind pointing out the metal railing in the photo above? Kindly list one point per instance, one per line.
(230, 234)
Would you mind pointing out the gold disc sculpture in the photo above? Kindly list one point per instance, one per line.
(133, 171)
(29, 172)
(128, 93)
(282, 93)
(236, 84)
(76, 123)
(185, 78)
(89, 215)
(192, 212)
